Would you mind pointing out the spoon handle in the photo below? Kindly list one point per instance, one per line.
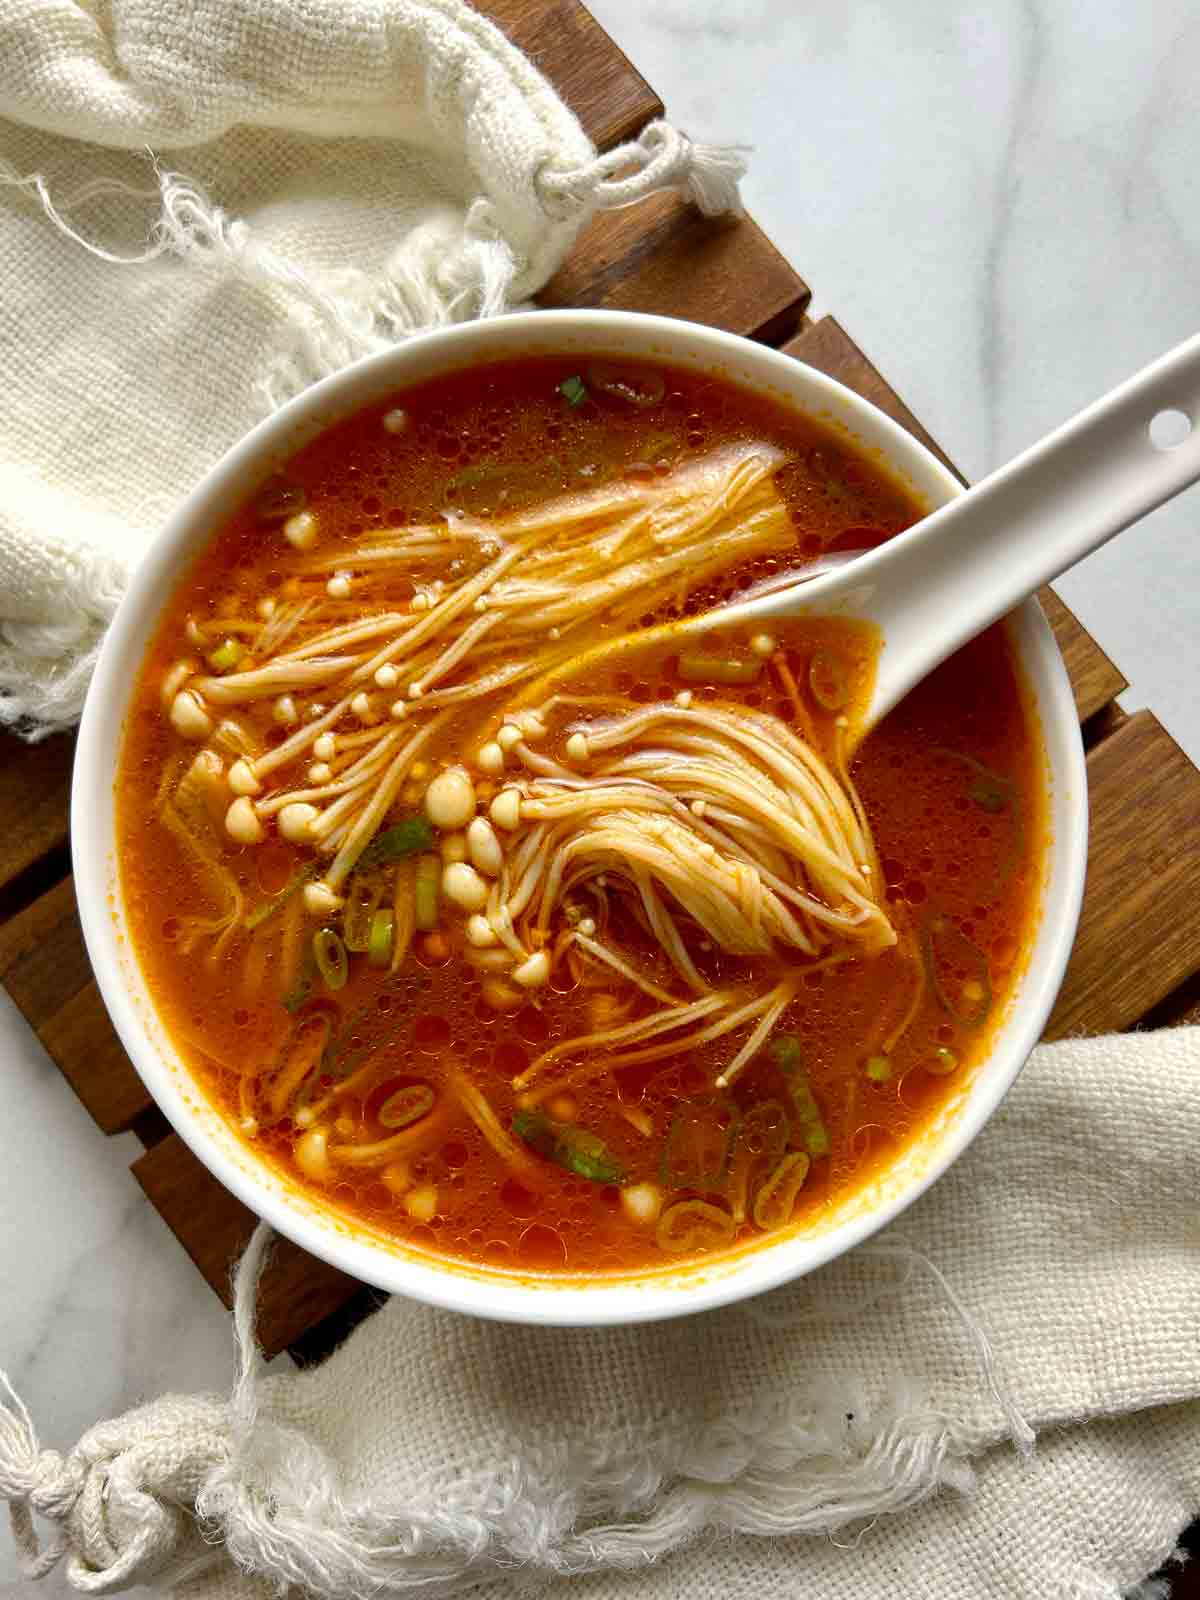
(947, 578)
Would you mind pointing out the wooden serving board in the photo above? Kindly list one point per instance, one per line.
(1137, 956)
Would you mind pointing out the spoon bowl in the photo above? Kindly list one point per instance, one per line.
(970, 562)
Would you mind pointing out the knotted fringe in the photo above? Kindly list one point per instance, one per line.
(182, 1483)
(660, 158)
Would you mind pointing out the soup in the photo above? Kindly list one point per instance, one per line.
(519, 915)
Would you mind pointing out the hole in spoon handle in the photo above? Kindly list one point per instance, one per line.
(1169, 429)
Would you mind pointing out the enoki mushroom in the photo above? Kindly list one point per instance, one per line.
(696, 831)
(703, 827)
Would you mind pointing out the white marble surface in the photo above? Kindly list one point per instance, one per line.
(1001, 203)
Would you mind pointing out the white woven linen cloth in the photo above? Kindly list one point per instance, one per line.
(269, 189)
(866, 1432)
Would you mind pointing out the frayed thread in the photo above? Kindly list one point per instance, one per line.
(806, 1304)
(46, 666)
(271, 1500)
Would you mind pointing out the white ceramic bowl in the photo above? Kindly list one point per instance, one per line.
(292, 1210)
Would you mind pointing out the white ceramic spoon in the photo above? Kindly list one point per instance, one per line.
(944, 580)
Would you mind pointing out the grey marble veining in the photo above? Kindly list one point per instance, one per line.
(1001, 203)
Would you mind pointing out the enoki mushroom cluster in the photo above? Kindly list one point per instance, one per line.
(564, 827)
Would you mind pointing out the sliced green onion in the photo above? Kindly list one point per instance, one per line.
(427, 893)
(406, 1106)
(786, 1052)
(226, 656)
(329, 953)
(989, 793)
(762, 1137)
(364, 891)
(301, 988)
(774, 1202)
(827, 681)
(470, 477)
(692, 1227)
(379, 946)
(878, 1069)
(354, 1042)
(637, 386)
(697, 1148)
(696, 666)
(944, 1061)
(995, 794)
(804, 1102)
(816, 1140)
(763, 1131)
(261, 913)
(579, 1151)
(278, 500)
(573, 390)
(956, 967)
(488, 485)
(405, 839)
(787, 1055)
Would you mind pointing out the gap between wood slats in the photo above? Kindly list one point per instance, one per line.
(1180, 1009)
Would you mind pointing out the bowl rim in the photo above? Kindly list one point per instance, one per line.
(440, 1281)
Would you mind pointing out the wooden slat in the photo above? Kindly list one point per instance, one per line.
(1095, 681)
(827, 346)
(44, 966)
(663, 256)
(42, 958)
(1139, 935)
(34, 799)
(593, 75)
(297, 1290)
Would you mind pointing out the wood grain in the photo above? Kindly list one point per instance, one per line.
(664, 257)
(593, 75)
(45, 968)
(34, 801)
(296, 1292)
(827, 346)
(1139, 934)
(1095, 681)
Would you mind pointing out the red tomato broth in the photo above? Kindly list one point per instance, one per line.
(940, 851)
